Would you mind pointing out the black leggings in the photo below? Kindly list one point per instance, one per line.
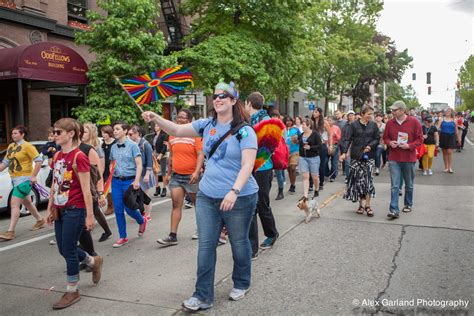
(85, 240)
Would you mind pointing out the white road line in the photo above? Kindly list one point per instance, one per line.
(35, 239)
(469, 141)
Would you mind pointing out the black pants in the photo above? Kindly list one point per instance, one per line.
(264, 211)
(323, 155)
(463, 137)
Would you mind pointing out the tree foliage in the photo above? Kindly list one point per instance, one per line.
(254, 43)
(466, 81)
(395, 91)
(126, 42)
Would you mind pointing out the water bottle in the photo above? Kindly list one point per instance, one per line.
(365, 156)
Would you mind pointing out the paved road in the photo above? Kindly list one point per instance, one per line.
(342, 263)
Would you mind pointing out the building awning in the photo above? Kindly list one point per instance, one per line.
(46, 61)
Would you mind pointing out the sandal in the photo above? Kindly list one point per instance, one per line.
(370, 211)
(360, 210)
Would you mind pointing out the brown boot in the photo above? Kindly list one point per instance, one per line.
(110, 205)
(67, 300)
(39, 224)
(97, 269)
(6, 236)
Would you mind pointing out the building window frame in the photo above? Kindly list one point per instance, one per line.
(71, 4)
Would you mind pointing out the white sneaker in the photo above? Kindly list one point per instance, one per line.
(237, 294)
(52, 242)
(377, 171)
(195, 304)
(425, 173)
(195, 236)
(430, 172)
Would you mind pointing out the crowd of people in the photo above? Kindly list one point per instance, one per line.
(208, 163)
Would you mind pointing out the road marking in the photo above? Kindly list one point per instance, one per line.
(35, 239)
(469, 141)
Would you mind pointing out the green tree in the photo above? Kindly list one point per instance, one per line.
(395, 91)
(466, 81)
(126, 42)
(254, 43)
(346, 47)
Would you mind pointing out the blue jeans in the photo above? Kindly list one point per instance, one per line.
(399, 171)
(334, 159)
(379, 153)
(280, 175)
(68, 229)
(119, 187)
(210, 220)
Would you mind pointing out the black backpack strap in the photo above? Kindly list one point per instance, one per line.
(229, 132)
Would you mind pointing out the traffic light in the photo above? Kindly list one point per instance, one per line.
(428, 78)
(429, 90)
(413, 76)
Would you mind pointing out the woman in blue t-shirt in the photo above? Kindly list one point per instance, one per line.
(448, 137)
(227, 192)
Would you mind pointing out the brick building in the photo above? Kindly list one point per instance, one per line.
(42, 70)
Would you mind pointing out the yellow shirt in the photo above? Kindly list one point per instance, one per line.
(20, 159)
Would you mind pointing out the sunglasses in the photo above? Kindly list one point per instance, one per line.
(221, 96)
(57, 132)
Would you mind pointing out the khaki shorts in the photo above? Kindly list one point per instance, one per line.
(293, 161)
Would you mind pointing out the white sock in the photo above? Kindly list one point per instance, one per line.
(71, 288)
(89, 261)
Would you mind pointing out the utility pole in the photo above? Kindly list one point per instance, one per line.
(384, 97)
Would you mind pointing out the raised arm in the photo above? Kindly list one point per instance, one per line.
(185, 130)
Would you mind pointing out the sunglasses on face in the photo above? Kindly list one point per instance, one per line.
(57, 132)
(221, 96)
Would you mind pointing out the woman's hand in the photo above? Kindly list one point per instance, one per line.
(166, 180)
(194, 178)
(228, 201)
(90, 222)
(102, 200)
(307, 147)
(149, 116)
(342, 157)
(49, 218)
(136, 185)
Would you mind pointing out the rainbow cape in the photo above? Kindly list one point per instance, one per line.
(269, 132)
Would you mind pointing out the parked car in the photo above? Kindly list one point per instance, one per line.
(6, 183)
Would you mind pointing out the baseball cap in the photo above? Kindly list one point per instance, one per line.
(398, 105)
(350, 112)
(428, 118)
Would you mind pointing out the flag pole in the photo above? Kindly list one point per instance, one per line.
(131, 98)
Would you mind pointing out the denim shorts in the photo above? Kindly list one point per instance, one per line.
(310, 165)
(182, 181)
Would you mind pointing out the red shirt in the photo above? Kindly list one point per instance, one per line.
(409, 132)
(67, 189)
(336, 134)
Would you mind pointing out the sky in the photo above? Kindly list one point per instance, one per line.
(438, 35)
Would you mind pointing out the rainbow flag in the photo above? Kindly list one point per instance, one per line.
(108, 183)
(157, 85)
(269, 133)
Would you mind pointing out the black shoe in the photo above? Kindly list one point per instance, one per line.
(392, 215)
(316, 194)
(104, 237)
(280, 195)
(157, 191)
(311, 189)
(400, 193)
(168, 241)
(163, 192)
(321, 187)
(292, 189)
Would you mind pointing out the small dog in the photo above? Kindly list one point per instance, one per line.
(310, 208)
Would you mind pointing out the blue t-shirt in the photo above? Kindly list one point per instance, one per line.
(294, 148)
(125, 158)
(225, 164)
(255, 119)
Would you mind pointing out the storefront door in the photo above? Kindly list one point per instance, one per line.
(4, 126)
